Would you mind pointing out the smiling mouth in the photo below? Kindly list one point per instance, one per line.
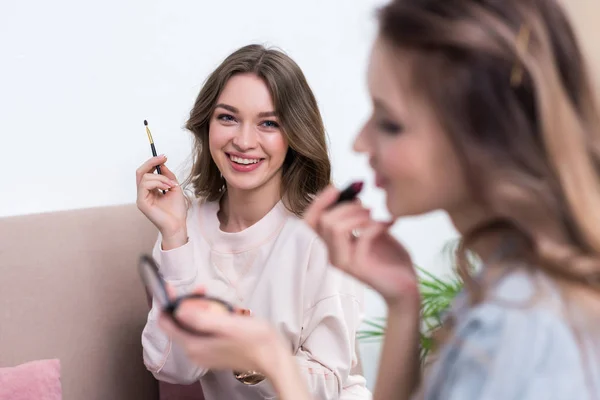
(243, 160)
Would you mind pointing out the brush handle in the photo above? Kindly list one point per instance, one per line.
(158, 171)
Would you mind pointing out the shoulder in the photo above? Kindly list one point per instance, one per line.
(513, 345)
(305, 238)
(300, 232)
(196, 204)
(328, 282)
(200, 209)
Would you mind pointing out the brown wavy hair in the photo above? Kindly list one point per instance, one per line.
(306, 169)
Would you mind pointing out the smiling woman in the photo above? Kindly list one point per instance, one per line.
(259, 108)
(244, 138)
(260, 156)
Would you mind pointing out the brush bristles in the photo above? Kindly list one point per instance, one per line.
(148, 132)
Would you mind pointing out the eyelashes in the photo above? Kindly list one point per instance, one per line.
(230, 119)
(270, 124)
(226, 118)
(389, 127)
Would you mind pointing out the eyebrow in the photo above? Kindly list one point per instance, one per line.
(228, 107)
(236, 111)
(381, 106)
(267, 114)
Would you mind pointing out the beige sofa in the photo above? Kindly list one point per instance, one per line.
(69, 289)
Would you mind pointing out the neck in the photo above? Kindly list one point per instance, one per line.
(241, 209)
(468, 218)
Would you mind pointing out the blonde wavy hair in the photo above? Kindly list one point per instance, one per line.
(530, 149)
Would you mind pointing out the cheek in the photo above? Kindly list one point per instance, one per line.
(418, 179)
(275, 145)
(218, 136)
(424, 176)
(400, 160)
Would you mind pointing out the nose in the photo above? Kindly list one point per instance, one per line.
(361, 142)
(245, 138)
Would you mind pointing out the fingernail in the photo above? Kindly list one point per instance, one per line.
(173, 183)
(162, 156)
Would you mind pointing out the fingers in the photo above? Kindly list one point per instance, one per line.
(216, 351)
(242, 311)
(172, 292)
(367, 236)
(343, 215)
(207, 322)
(149, 166)
(320, 203)
(336, 227)
(168, 173)
(151, 182)
(199, 290)
(167, 324)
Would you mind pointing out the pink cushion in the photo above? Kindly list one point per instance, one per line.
(35, 380)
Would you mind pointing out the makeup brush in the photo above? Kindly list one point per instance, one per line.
(158, 171)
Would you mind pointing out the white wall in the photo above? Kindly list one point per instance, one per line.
(79, 77)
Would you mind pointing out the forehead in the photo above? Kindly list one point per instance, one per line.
(246, 91)
(388, 74)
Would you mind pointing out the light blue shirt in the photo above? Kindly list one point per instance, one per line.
(513, 347)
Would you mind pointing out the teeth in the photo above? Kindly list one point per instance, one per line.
(244, 161)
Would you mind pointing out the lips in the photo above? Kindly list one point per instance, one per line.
(243, 160)
(241, 163)
(380, 181)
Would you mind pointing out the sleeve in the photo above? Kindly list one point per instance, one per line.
(162, 357)
(502, 353)
(327, 352)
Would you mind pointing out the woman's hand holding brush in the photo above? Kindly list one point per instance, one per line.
(168, 211)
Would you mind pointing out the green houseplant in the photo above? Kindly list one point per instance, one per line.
(437, 295)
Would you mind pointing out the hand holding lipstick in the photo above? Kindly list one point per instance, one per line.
(375, 257)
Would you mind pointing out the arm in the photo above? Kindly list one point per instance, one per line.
(285, 376)
(165, 359)
(234, 342)
(376, 258)
(399, 367)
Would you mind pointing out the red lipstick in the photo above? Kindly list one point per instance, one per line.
(349, 193)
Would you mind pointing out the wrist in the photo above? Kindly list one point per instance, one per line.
(174, 239)
(283, 373)
(274, 359)
(407, 300)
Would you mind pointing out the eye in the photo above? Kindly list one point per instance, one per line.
(389, 127)
(270, 124)
(226, 118)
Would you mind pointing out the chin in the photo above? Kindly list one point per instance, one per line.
(243, 184)
(394, 210)
(404, 208)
